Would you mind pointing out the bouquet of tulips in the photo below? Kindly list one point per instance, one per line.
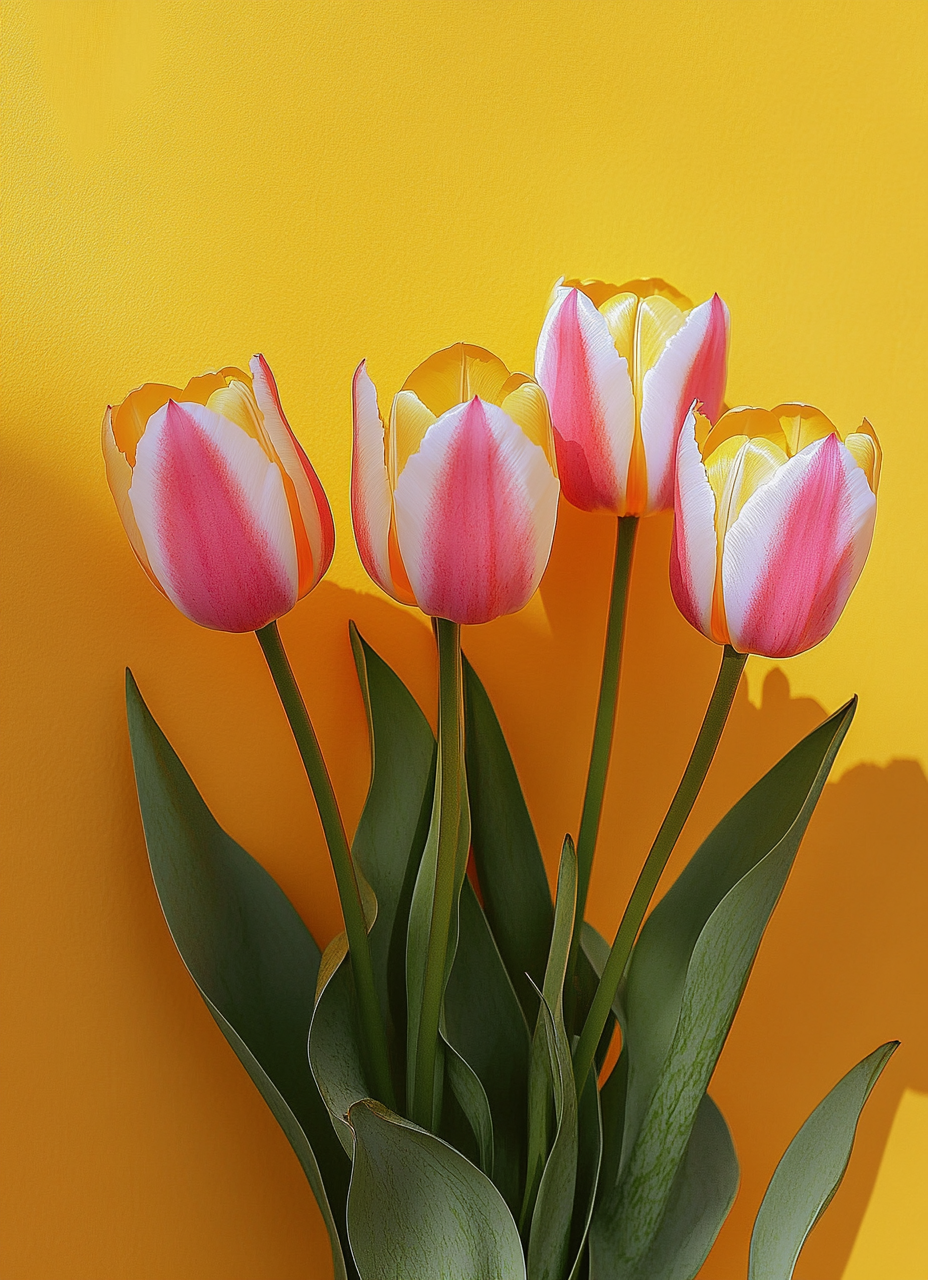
(448, 1070)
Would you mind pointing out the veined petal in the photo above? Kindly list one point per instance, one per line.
(213, 516)
(371, 499)
(694, 550)
(454, 375)
(409, 421)
(527, 405)
(791, 559)
(475, 515)
(119, 478)
(592, 407)
(864, 448)
(306, 497)
(692, 367)
(802, 425)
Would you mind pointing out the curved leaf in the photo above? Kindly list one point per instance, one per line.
(484, 1024)
(418, 1210)
(685, 981)
(589, 1160)
(811, 1171)
(334, 1049)
(394, 822)
(247, 950)
(516, 896)
(552, 1214)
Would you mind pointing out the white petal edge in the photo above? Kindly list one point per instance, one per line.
(695, 541)
(371, 500)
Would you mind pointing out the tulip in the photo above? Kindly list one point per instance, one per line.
(774, 519)
(220, 503)
(454, 502)
(621, 366)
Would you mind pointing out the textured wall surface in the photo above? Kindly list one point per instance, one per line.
(188, 183)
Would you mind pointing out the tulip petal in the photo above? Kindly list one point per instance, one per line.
(409, 421)
(212, 512)
(371, 500)
(119, 478)
(475, 515)
(692, 367)
(454, 375)
(791, 559)
(592, 407)
(693, 554)
(314, 509)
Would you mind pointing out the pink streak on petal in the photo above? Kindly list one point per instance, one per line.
(223, 568)
(694, 548)
(576, 368)
(477, 553)
(814, 522)
(692, 367)
(314, 505)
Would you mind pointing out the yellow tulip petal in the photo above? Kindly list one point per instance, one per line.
(737, 469)
(802, 425)
(619, 313)
(657, 321)
(131, 417)
(237, 403)
(528, 408)
(119, 477)
(744, 421)
(455, 375)
(598, 291)
(409, 421)
(654, 286)
(865, 450)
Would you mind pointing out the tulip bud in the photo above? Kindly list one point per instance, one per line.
(219, 501)
(774, 516)
(454, 502)
(621, 366)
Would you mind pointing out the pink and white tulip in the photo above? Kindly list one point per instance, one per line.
(220, 503)
(621, 365)
(454, 500)
(774, 516)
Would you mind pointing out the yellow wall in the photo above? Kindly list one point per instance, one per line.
(189, 183)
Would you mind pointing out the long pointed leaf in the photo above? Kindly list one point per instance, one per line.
(686, 977)
(811, 1170)
(417, 1210)
(485, 1025)
(247, 950)
(516, 896)
(392, 829)
(549, 1237)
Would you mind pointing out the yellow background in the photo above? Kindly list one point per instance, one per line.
(188, 183)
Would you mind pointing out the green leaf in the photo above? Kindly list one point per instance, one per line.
(417, 1210)
(549, 1237)
(589, 1160)
(247, 950)
(685, 981)
(811, 1171)
(702, 1195)
(393, 825)
(334, 1049)
(484, 1024)
(516, 896)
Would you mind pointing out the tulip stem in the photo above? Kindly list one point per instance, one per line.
(680, 808)
(603, 730)
(372, 1028)
(448, 812)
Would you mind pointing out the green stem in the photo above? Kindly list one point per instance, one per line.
(680, 807)
(372, 1028)
(606, 708)
(450, 763)
(603, 730)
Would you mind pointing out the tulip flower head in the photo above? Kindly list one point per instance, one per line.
(774, 516)
(219, 501)
(621, 365)
(454, 501)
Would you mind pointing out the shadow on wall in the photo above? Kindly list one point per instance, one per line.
(843, 965)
